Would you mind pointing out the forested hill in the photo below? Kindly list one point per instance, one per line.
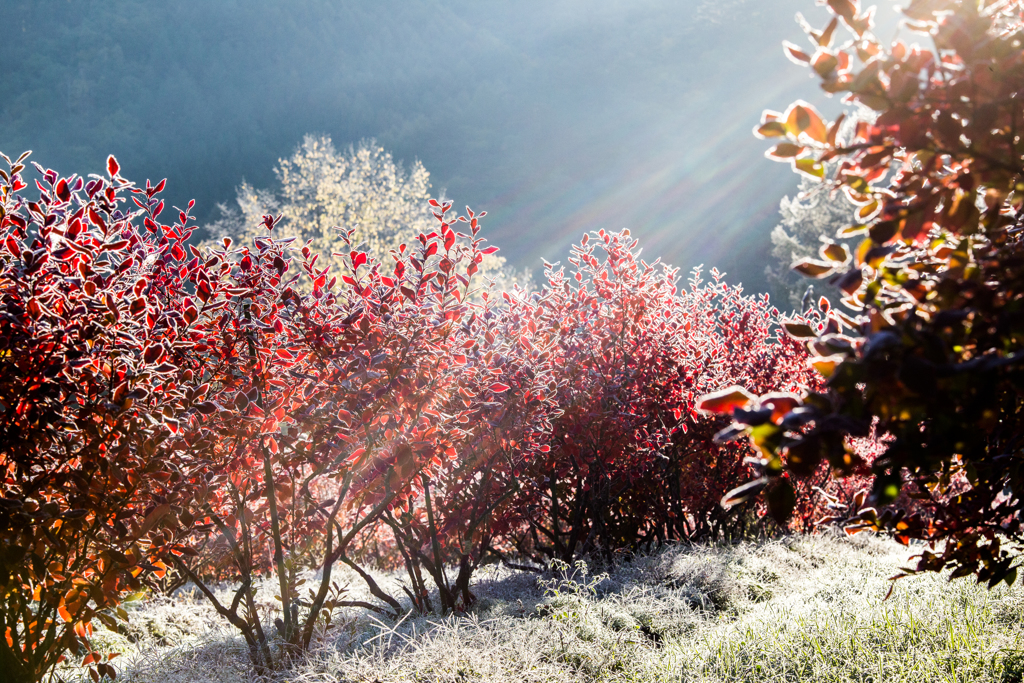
(555, 115)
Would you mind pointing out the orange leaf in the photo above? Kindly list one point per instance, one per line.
(812, 268)
(826, 366)
(795, 54)
(726, 400)
(780, 403)
(825, 39)
(836, 252)
(802, 117)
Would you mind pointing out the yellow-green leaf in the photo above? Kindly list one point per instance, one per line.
(810, 167)
(771, 129)
(868, 211)
(851, 230)
(826, 366)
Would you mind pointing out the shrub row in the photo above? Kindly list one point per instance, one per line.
(173, 414)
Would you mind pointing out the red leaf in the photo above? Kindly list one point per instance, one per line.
(96, 219)
(498, 387)
(203, 292)
(153, 353)
(62, 190)
(12, 246)
(112, 166)
(207, 407)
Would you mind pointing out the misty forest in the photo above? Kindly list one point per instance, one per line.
(474, 341)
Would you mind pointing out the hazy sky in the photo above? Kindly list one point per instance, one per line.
(556, 117)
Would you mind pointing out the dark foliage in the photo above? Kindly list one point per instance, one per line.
(931, 354)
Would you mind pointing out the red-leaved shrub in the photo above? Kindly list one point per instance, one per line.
(631, 460)
(93, 313)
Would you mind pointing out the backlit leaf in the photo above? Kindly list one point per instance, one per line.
(726, 400)
(795, 54)
(812, 268)
(771, 129)
(799, 330)
(838, 253)
(810, 167)
(741, 494)
(784, 151)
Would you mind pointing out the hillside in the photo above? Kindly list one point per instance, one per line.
(554, 119)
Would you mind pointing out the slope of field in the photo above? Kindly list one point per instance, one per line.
(807, 609)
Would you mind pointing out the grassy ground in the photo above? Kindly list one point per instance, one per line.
(806, 609)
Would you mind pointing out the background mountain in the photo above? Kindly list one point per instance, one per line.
(556, 116)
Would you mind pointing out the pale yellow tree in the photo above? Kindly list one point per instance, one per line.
(363, 189)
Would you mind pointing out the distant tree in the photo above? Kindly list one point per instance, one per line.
(815, 215)
(363, 189)
(808, 217)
